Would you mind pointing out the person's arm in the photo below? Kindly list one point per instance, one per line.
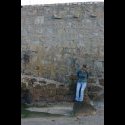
(87, 75)
(78, 73)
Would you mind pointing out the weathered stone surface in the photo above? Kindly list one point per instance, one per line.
(51, 86)
(59, 98)
(51, 92)
(94, 88)
(92, 80)
(95, 91)
(101, 82)
(57, 39)
(62, 91)
(81, 108)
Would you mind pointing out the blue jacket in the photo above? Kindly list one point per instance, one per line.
(82, 76)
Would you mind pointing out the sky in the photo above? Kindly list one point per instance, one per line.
(35, 2)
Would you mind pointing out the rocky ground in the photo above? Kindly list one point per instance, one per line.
(96, 119)
(96, 93)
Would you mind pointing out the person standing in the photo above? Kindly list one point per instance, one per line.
(82, 76)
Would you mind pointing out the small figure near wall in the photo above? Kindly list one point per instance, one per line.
(82, 76)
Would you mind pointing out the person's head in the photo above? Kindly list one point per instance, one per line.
(84, 66)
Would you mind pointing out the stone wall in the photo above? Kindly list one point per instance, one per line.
(35, 89)
(57, 39)
(38, 90)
